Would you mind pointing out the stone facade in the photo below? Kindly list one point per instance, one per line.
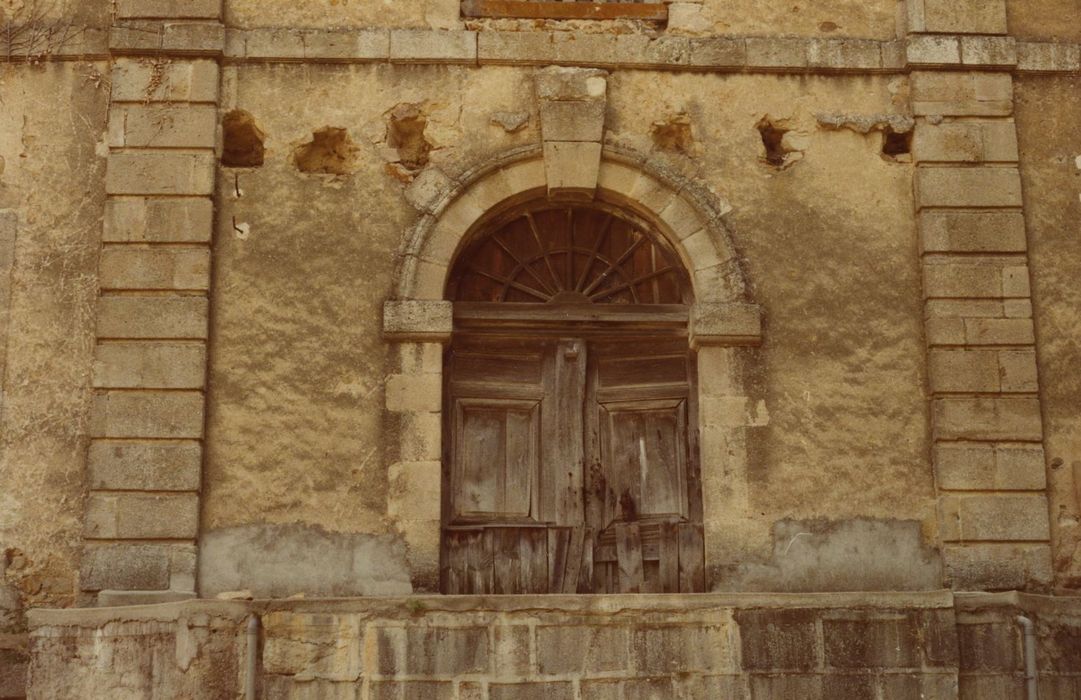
(222, 377)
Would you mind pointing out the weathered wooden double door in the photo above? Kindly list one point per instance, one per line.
(570, 466)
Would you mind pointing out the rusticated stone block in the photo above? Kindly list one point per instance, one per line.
(779, 640)
(989, 647)
(412, 690)
(962, 94)
(581, 649)
(972, 231)
(160, 172)
(871, 643)
(991, 517)
(432, 651)
(531, 691)
(136, 566)
(163, 125)
(958, 16)
(149, 220)
(147, 414)
(155, 268)
(682, 648)
(968, 187)
(145, 466)
(988, 418)
(432, 46)
(142, 516)
(965, 466)
(150, 366)
(152, 317)
(997, 566)
(149, 80)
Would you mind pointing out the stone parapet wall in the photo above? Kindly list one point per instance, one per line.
(892, 645)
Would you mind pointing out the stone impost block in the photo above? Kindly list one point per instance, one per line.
(137, 566)
(567, 120)
(972, 231)
(572, 168)
(997, 567)
(142, 516)
(989, 51)
(414, 393)
(968, 187)
(149, 220)
(1040, 57)
(994, 517)
(432, 46)
(172, 268)
(933, 50)
(150, 365)
(967, 466)
(414, 490)
(163, 126)
(168, 9)
(726, 324)
(988, 418)
(152, 317)
(418, 321)
(147, 414)
(965, 142)
(574, 84)
(957, 16)
(122, 465)
(962, 94)
(160, 172)
(577, 649)
(157, 80)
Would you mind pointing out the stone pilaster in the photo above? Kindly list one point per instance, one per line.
(145, 458)
(985, 408)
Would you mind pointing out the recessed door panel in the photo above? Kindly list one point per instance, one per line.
(496, 459)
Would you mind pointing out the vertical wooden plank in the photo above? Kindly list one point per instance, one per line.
(507, 565)
(629, 552)
(586, 583)
(564, 475)
(693, 446)
(559, 539)
(575, 553)
(452, 565)
(533, 555)
(479, 563)
(692, 569)
(668, 557)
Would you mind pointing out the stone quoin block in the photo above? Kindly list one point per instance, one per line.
(150, 365)
(414, 490)
(953, 371)
(142, 516)
(145, 466)
(972, 231)
(160, 173)
(152, 220)
(966, 466)
(162, 125)
(965, 142)
(147, 414)
(153, 80)
(968, 187)
(999, 331)
(136, 566)
(991, 517)
(152, 317)
(997, 566)
(414, 393)
(962, 94)
(988, 418)
(155, 268)
(957, 16)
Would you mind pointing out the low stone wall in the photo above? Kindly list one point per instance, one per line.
(845, 645)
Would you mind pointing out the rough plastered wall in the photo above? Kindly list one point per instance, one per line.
(1047, 20)
(1049, 125)
(51, 199)
(296, 424)
(838, 459)
(304, 262)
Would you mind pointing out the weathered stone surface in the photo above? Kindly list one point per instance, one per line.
(988, 419)
(163, 126)
(146, 80)
(985, 467)
(134, 566)
(571, 167)
(962, 94)
(968, 187)
(433, 650)
(775, 640)
(675, 649)
(160, 173)
(142, 516)
(972, 231)
(150, 365)
(149, 220)
(958, 17)
(407, 320)
(997, 567)
(172, 9)
(145, 466)
(155, 268)
(408, 46)
(147, 414)
(871, 643)
(152, 317)
(1005, 517)
(581, 649)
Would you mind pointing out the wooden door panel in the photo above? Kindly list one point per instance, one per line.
(496, 458)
